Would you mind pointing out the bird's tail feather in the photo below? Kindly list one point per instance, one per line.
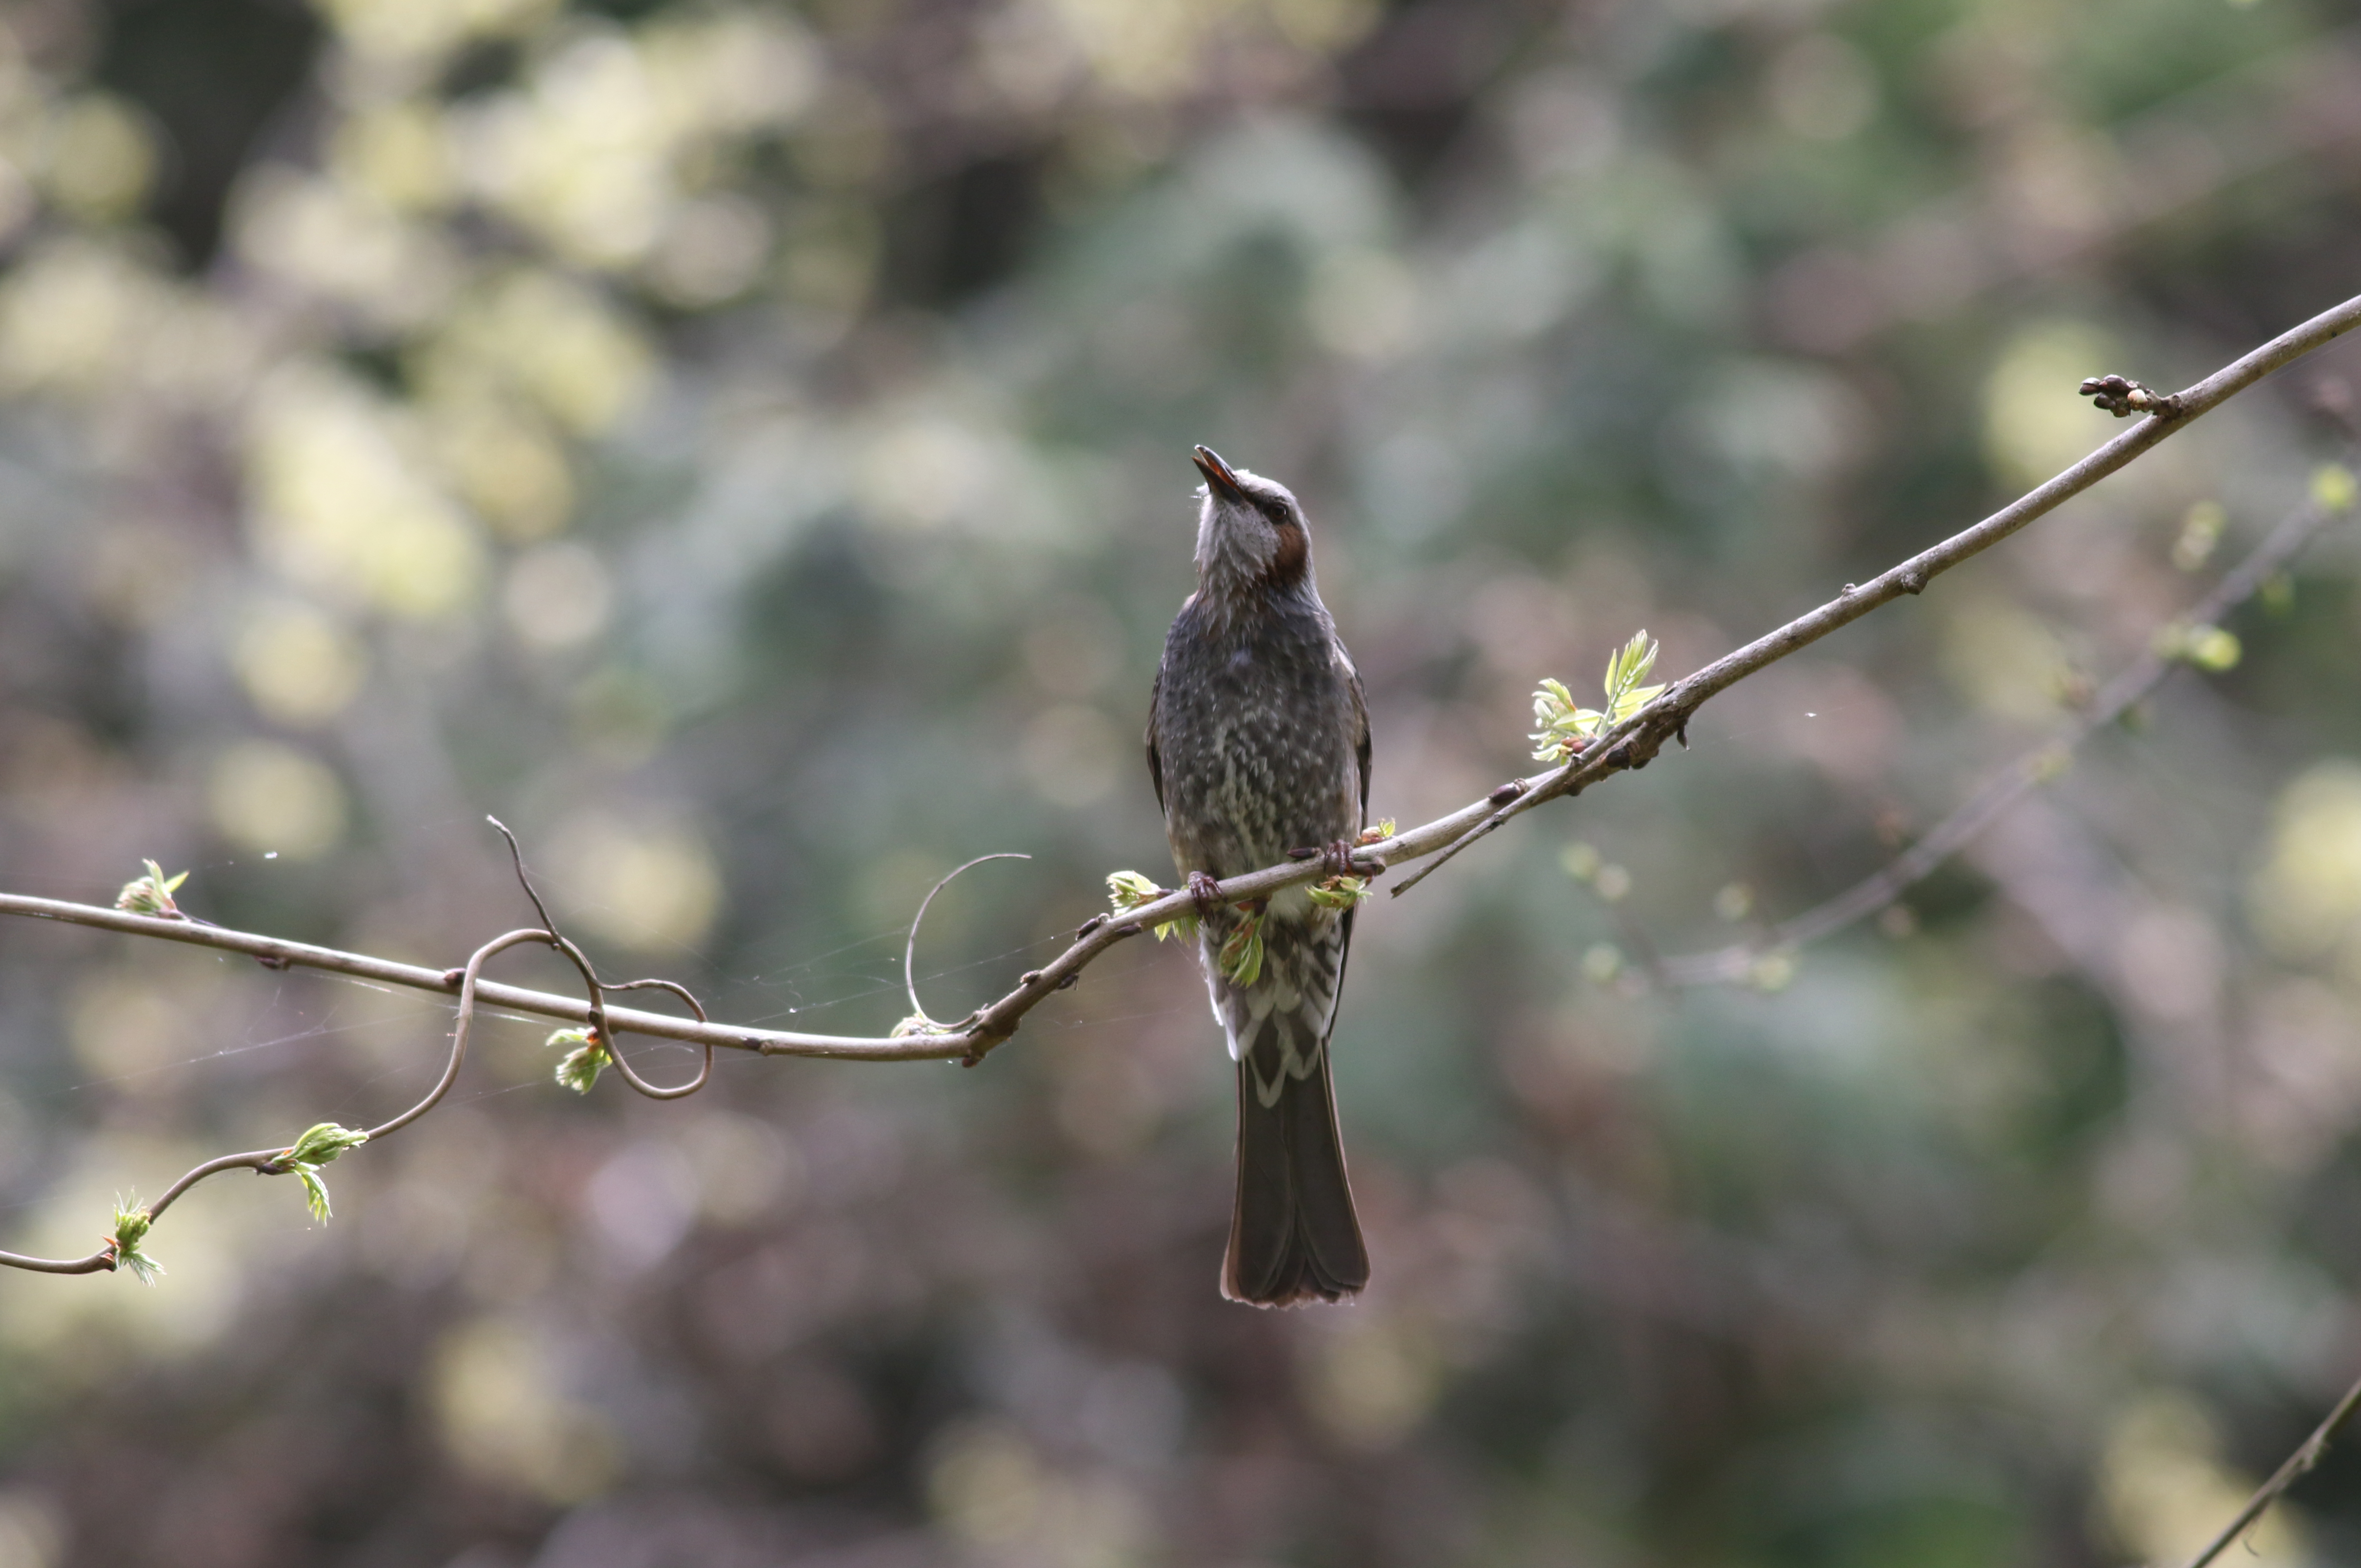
(1293, 1236)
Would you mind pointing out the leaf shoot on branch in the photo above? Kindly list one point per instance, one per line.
(1128, 891)
(131, 1223)
(319, 1146)
(582, 1063)
(1566, 728)
(151, 892)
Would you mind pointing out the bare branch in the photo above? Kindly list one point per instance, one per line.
(279, 1161)
(1635, 742)
(2113, 700)
(2298, 1464)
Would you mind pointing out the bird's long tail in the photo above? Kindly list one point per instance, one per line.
(1293, 1236)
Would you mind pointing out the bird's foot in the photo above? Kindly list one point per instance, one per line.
(1336, 859)
(1207, 892)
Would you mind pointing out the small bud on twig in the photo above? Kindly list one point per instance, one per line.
(151, 893)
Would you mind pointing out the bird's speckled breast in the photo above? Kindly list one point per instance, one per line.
(1255, 728)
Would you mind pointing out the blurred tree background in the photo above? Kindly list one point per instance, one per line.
(746, 447)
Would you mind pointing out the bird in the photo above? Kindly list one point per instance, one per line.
(1258, 747)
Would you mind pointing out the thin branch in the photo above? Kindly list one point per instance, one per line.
(2298, 1464)
(1635, 742)
(1946, 838)
(1628, 745)
(276, 1161)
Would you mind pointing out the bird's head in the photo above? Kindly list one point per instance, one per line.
(1251, 536)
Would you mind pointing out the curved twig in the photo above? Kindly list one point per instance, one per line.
(468, 990)
(599, 1025)
(910, 947)
(273, 1161)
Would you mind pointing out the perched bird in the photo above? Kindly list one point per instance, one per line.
(1259, 742)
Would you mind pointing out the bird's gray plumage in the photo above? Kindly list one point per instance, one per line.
(1259, 742)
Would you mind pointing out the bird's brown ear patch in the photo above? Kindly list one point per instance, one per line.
(1286, 561)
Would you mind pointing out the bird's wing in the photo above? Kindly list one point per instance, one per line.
(1156, 763)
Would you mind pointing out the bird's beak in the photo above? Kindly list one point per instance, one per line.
(1217, 474)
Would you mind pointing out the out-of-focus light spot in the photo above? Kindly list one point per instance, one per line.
(124, 1027)
(1027, 56)
(1323, 27)
(398, 154)
(418, 30)
(101, 160)
(985, 1483)
(69, 314)
(641, 884)
(505, 1418)
(922, 472)
(32, 1530)
(2035, 423)
(579, 155)
(618, 715)
(993, 1491)
(2171, 960)
(196, 351)
(2308, 893)
(747, 1170)
(1369, 1384)
(266, 796)
(1069, 753)
(339, 504)
(2200, 531)
(712, 250)
(89, 1338)
(2004, 660)
(644, 1200)
(504, 463)
(557, 596)
(1363, 305)
(1140, 49)
(548, 337)
(1782, 418)
(739, 73)
(1822, 88)
(319, 233)
(2164, 1490)
(1075, 648)
(1735, 900)
(298, 667)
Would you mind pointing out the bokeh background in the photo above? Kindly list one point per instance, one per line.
(746, 447)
